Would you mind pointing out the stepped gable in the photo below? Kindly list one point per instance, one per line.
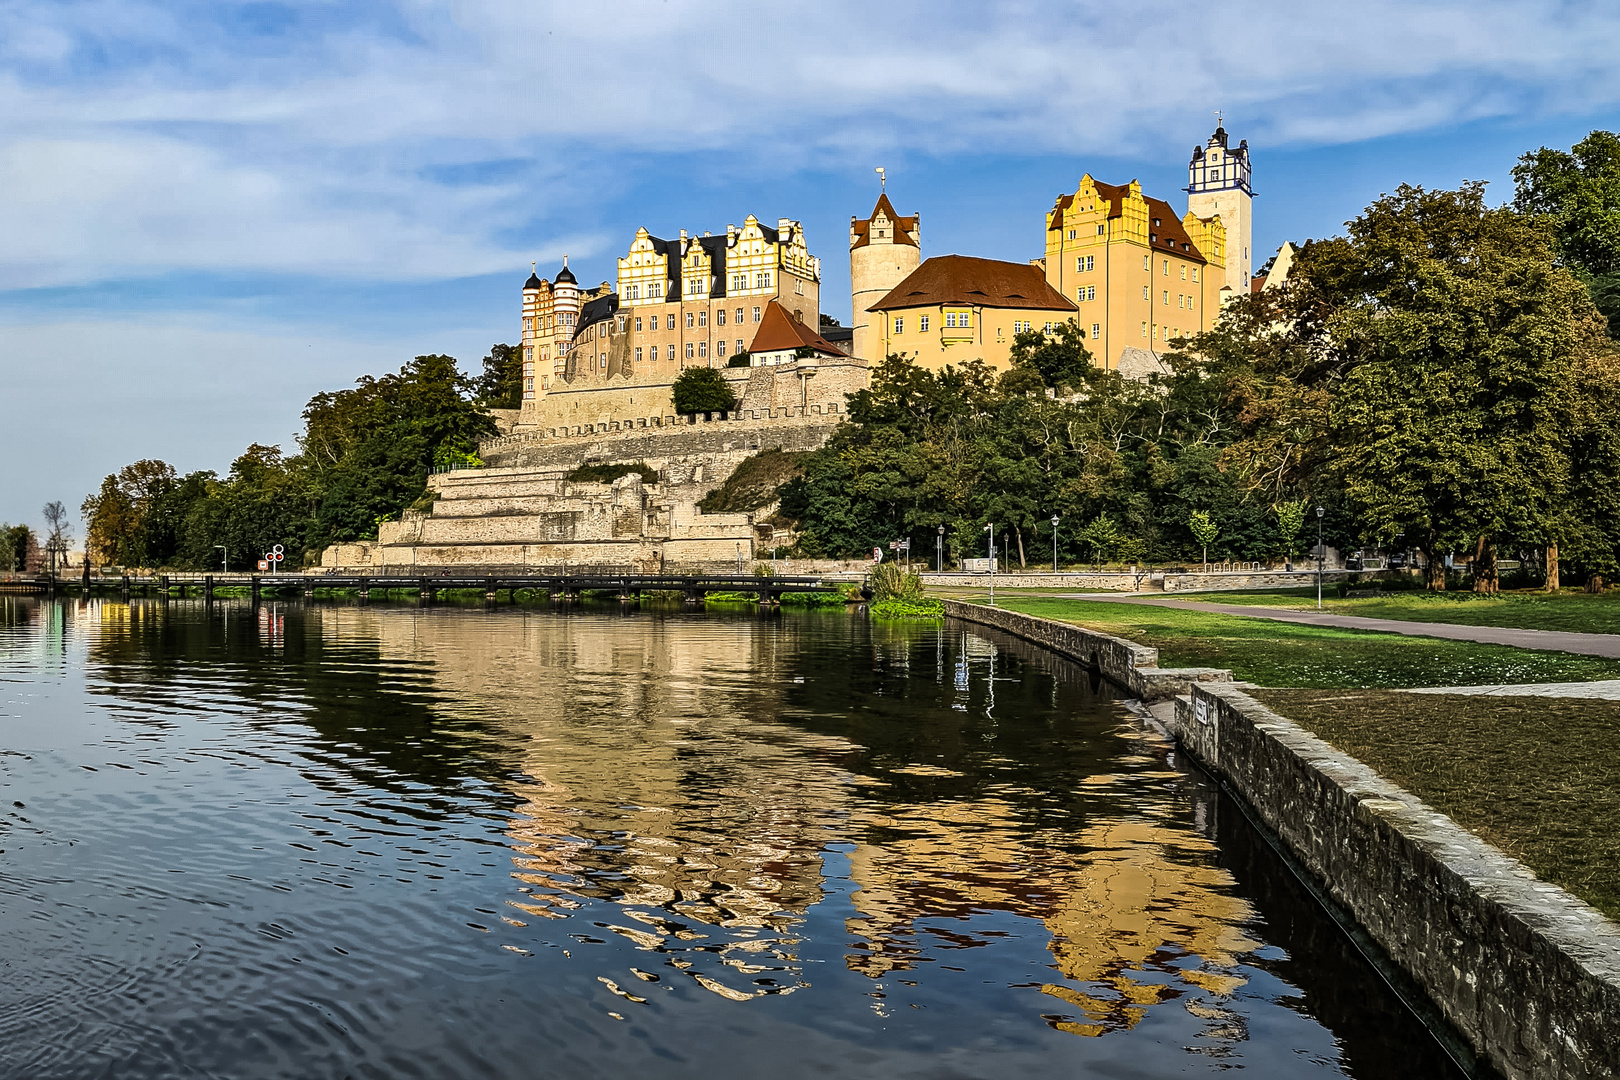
(969, 281)
(780, 332)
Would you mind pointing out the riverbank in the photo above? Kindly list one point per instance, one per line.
(1283, 655)
(1527, 973)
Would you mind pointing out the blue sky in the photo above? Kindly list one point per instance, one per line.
(213, 210)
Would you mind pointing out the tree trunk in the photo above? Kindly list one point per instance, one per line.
(1434, 565)
(1594, 584)
(1552, 568)
(1020, 534)
(1485, 578)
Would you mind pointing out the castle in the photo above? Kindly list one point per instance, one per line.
(599, 363)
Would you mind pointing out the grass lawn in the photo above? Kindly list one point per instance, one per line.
(1571, 609)
(1280, 654)
(1537, 777)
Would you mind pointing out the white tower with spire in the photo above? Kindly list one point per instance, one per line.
(1218, 184)
(883, 249)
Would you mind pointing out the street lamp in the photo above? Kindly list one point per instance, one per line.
(1054, 543)
(225, 563)
(991, 529)
(1321, 553)
(939, 552)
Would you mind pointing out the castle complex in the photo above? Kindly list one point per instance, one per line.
(599, 363)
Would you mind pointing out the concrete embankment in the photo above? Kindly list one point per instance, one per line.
(1527, 975)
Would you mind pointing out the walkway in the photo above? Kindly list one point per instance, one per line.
(1607, 645)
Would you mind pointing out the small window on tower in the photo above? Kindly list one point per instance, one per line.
(1099, 230)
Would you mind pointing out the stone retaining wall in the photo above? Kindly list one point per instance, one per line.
(1528, 975)
(1124, 663)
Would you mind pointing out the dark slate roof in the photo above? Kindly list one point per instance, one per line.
(601, 309)
(534, 282)
(567, 275)
(716, 247)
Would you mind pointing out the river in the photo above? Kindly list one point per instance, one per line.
(335, 840)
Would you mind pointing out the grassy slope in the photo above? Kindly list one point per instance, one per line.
(1278, 654)
(1569, 610)
(1537, 777)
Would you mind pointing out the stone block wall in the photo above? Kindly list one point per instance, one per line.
(1526, 973)
(1123, 663)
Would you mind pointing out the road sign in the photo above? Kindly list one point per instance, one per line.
(877, 554)
(894, 545)
(264, 564)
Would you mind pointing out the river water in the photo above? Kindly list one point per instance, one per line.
(387, 841)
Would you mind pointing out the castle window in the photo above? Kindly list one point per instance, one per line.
(756, 314)
(1166, 267)
(720, 317)
(1099, 230)
(672, 348)
(670, 324)
(689, 320)
(1048, 328)
(1071, 234)
(638, 354)
(899, 324)
(1166, 300)
(922, 323)
(1096, 330)
(1155, 223)
(638, 322)
(528, 388)
(1144, 329)
(1183, 272)
(1145, 294)
(703, 318)
(1195, 273)
(703, 348)
(1179, 298)
(1147, 263)
(739, 316)
(688, 350)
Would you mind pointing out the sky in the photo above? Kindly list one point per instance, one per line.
(210, 211)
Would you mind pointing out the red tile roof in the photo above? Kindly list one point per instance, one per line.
(970, 282)
(778, 331)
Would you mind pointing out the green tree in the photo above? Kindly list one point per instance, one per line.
(1290, 520)
(1578, 191)
(500, 384)
(1103, 537)
(702, 390)
(1204, 530)
(1059, 356)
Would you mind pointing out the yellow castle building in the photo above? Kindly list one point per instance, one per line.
(690, 301)
(1140, 275)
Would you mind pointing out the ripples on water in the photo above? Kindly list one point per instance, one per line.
(369, 841)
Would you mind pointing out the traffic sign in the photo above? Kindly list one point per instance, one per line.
(264, 564)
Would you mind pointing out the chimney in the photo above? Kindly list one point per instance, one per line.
(784, 226)
(731, 235)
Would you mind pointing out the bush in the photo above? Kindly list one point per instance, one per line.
(897, 595)
(812, 599)
(742, 359)
(895, 607)
(701, 390)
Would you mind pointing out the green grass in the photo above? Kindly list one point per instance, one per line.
(1281, 654)
(899, 607)
(1570, 610)
(1537, 777)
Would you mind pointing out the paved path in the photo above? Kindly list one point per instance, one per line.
(1558, 640)
(1600, 689)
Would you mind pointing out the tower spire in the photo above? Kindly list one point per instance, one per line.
(883, 179)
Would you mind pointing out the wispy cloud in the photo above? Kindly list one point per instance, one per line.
(412, 139)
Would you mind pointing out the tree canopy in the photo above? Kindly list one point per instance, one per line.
(702, 389)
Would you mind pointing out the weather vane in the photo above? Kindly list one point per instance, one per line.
(883, 178)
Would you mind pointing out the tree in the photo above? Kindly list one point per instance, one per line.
(1204, 531)
(702, 390)
(1290, 520)
(1578, 191)
(826, 320)
(59, 533)
(1102, 535)
(1059, 356)
(125, 520)
(500, 386)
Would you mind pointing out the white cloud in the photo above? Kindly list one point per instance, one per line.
(190, 145)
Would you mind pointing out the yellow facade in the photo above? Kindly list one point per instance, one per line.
(1139, 275)
(942, 334)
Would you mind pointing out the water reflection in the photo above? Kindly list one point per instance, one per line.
(897, 846)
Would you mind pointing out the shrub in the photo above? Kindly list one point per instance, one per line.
(742, 359)
(702, 389)
(812, 599)
(895, 607)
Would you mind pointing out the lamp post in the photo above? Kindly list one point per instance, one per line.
(1321, 553)
(939, 552)
(991, 529)
(225, 559)
(739, 558)
(1054, 543)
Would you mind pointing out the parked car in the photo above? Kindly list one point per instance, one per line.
(1397, 561)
